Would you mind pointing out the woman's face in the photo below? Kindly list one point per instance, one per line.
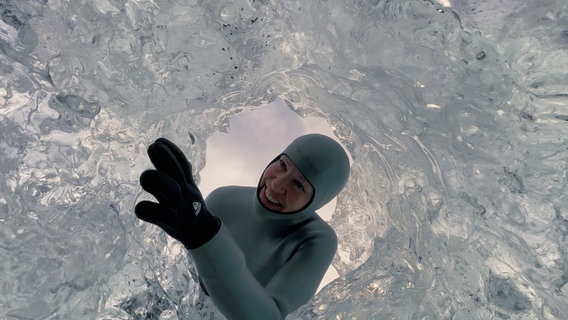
(283, 188)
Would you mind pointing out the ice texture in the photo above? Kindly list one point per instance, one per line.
(455, 114)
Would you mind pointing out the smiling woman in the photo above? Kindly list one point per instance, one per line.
(250, 266)
(253, 139)
(248, 243)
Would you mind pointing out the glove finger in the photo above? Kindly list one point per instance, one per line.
(153, 212)
(164, 160)
(163, 187)
(161, 216)
(179, 156)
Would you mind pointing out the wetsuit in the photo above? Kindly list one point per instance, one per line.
(263, 264)
(254, 263)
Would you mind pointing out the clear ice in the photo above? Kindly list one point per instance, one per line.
(455, 114)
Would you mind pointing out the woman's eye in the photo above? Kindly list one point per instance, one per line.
(300, 186)
(282, 164)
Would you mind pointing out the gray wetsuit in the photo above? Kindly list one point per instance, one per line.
(262, 264)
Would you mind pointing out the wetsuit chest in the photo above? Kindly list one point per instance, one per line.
(266, 243)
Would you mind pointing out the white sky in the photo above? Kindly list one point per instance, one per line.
(255, 138)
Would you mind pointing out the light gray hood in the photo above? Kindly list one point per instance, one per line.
(323, 162)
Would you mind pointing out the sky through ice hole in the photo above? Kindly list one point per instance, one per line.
(254, 139)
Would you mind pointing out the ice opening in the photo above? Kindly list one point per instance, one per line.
(252, 140)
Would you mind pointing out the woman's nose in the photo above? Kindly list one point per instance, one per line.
(280, 182)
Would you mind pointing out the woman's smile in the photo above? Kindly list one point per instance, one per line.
(283, 188)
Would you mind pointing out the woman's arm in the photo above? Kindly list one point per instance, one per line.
(236, 292)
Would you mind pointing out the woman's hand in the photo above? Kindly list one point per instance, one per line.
(181, 210)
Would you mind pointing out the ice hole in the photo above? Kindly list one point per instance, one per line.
(240, 156)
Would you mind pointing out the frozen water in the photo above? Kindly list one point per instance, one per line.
(455, 116)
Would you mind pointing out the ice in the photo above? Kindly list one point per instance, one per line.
(454, 113)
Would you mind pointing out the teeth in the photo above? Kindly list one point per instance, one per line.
(269, 197)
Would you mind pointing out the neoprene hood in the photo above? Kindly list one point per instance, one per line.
(323, 162)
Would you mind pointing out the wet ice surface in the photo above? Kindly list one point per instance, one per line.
(456, 119)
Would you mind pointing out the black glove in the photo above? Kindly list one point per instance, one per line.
(181, 211)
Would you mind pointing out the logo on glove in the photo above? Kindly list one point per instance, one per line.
(196, 208)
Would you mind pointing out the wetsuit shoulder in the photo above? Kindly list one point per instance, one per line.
(317, 230)
(225, 194)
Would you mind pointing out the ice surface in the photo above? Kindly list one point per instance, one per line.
(456, 119)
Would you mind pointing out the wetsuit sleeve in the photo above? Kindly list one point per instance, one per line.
(236, 292)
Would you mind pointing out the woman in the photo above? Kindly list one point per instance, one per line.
(260, 252)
